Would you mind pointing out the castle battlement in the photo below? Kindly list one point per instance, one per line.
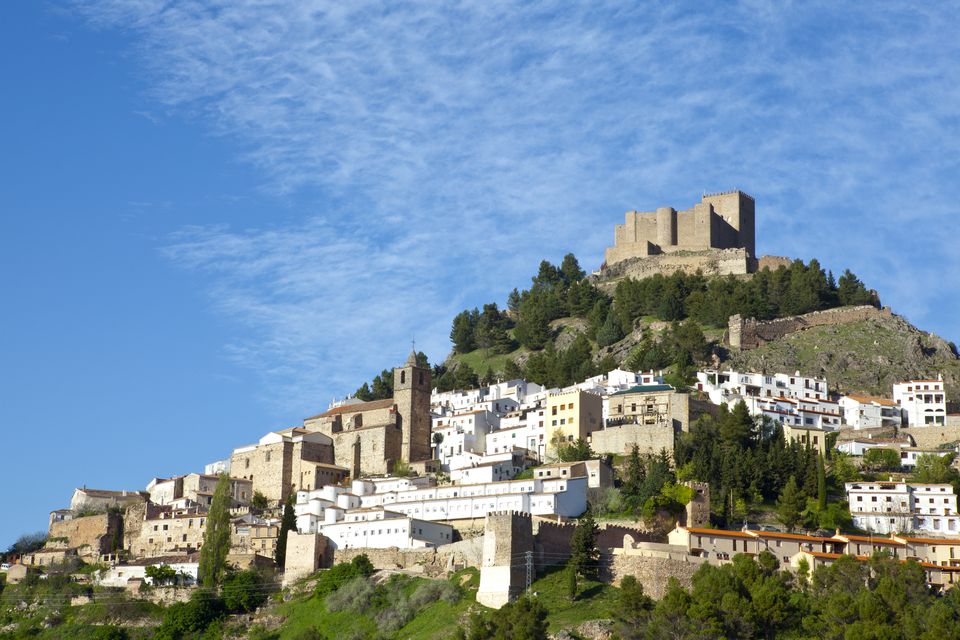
(724, 220)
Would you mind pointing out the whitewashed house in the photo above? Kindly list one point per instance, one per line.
(923, 402)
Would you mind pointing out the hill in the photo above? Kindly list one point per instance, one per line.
(567, 325)
(866, 356)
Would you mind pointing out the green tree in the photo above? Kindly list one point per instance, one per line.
(161, 574)
(259, 501)
(790, 504)
(577, 450)
(287, 524)
(437, 439)
(821, 484)
(584, 554)
(462, 332)
(570, 268)
(936, 469)
(216, 536)
(881, 459)
(610, 332)
(633, 603)
(244, 591)
(571, 583)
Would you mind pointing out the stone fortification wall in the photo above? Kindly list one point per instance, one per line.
(91, 535)
(649, 438)
(507, 537)
(773, 262)
(933, 436)
(653, 565)
(749, 333)
(433, 562)
(712, 262)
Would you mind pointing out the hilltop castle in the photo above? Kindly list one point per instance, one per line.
(719, 221)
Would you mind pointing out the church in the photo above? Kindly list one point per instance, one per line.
(369, 438)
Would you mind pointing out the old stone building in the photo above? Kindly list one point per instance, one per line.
(370, 437)
(197, 489)
(284, 462)
(720, 221)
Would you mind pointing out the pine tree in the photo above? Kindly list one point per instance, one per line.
(287, 524)
(583, 546)
(790, 504)
(571, 583)
(821, 485)
(216, 536)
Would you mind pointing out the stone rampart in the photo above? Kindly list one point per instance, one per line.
(933, 436)
(649, 438)
(90, 535)
(744, 334)
(652, 567)
(712, 262)
(432, 562)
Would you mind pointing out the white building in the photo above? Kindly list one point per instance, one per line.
(888, 507)
(464, 432)
(378, 528)
(499, 398)
(490, 468)
(196, 489)
(118, 575)
(923, 402)
(720, 384)
(908, 455)
(868, 412)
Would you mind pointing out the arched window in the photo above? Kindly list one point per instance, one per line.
(403, 377)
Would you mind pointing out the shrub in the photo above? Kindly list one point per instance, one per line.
(244, 591)
(354, 596)
(194, 616)
(434, 590)
(342, 573)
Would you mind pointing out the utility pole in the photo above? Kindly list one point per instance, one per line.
(529, 557)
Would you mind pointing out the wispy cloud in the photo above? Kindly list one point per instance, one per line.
(446, 149)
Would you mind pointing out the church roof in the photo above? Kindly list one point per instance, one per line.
(412, 359)
(386, 403)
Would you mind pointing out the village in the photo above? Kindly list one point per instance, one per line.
(474, 477)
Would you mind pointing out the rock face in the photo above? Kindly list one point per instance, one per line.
(866, 355)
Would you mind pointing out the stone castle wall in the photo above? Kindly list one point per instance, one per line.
(649, 438)
(718, 221)
(748, 333)
(91, 535)
(712, 262)
(652, 568)
(933, 436)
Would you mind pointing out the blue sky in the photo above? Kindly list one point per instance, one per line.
(219, 216)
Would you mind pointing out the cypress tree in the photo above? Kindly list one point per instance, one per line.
(216, 536)
(288, 523)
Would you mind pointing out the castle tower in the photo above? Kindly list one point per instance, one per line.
(411, 393)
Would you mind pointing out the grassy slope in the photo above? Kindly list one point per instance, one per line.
(439, 620)
(866, 356)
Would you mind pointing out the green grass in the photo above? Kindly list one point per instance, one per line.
(480, 359)
(595, 600)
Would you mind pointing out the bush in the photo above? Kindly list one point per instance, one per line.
(244, 591)
(434, 590)
(203, 609)
(342, 573)
(353, 597)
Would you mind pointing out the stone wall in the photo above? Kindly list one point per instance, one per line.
(432, 562)
(652, 568)
(649, 438)
(91, 535)
(748, 333)
(712, 262)
(508, 536)
(306, 552)
(933, 436)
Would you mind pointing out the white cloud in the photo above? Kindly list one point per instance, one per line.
(462, 144)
